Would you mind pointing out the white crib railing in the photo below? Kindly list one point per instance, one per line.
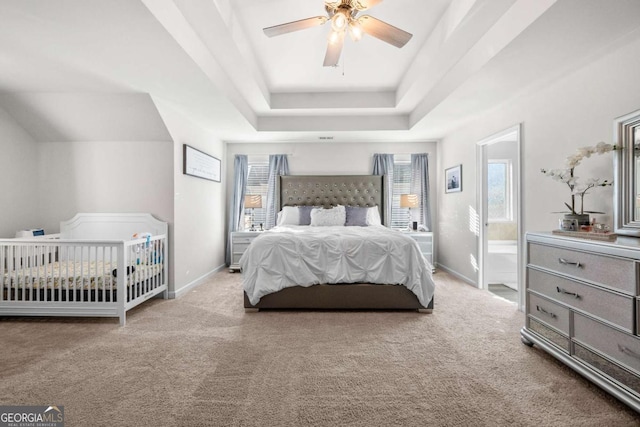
(101, 278)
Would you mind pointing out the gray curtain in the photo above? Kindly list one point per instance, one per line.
(278, 165)
(420, 186)
(236, 208)
(383, 165)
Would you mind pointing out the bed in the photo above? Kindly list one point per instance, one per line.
(100, 265)
(282, 270)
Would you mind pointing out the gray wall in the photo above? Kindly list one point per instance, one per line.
(337, 158)
(104, 177)
(199, 205)
(46, 182)
(575, 111)
(19, 183)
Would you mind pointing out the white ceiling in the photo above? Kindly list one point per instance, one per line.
(210, 59)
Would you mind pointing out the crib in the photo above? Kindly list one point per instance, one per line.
(92, 269)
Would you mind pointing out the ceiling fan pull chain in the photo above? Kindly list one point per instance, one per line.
(343, 61)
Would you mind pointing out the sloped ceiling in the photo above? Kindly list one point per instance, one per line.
(211, 60)
(78, 117)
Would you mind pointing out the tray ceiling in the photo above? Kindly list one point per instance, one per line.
(211, 60)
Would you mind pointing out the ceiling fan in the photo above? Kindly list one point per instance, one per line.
(343, 17)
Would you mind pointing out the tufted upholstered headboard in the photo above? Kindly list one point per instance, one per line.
(331, 190)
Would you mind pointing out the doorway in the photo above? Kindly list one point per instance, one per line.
(500, 246)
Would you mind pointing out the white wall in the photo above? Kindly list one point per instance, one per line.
(576, 111)
(52, 181)
(19, 172)
(55, 180)
(199, 205)
(336, 158)
(104, 177)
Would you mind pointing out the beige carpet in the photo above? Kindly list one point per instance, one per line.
(201, 360)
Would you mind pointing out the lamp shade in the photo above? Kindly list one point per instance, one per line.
(253, 201)
(408, 200)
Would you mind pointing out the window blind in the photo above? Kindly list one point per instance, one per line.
(401, 185)
(257, 184)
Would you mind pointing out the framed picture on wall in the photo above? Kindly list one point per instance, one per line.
(199, 164)
(453, 179)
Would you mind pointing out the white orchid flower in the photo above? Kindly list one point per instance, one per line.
(602, 147)
(585, 152)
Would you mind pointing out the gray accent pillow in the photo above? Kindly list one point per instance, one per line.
(356, 216)
(305, 214)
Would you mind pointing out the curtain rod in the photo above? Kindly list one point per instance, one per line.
(263, 154)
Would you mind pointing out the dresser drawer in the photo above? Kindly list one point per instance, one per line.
(235, 258)
(548, 312)
(240, 247)
(615, 308)
(616, 273)
(552, 336)
(237, 240)
(424, 246)
(621, 347)
(598, 362)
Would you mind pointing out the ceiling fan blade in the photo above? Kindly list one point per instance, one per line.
(290, 27)
(334, 49)
(383, 31)
(366, 4)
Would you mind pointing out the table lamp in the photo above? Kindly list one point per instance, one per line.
(409, 201)
(252, 201)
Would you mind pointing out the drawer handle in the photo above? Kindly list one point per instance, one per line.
(562, 291)
(628, 351)
(543, 311)
(565, 262)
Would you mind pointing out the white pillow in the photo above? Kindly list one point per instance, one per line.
(328, 217)
(289, 215)
(373, 216)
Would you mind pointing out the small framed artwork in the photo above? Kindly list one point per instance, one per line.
(199, 164)
(453, 179)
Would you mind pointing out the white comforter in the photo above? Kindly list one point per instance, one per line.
(287, 256)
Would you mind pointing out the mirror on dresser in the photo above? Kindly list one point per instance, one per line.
(627, 175)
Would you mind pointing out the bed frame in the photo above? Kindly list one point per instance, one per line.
(327, 191)
(102, 240)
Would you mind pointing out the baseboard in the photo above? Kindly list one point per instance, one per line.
(458, 275)
(199, 281)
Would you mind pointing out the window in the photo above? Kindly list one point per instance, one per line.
(499, 190)
(257, 184)
(401, 185)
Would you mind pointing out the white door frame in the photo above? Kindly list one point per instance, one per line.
(481, 206)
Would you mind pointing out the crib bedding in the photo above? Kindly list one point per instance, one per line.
(288, 256)
(87, 275)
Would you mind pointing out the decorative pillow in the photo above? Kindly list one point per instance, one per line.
(328, 217)
(289, 215)
(357, 216)
(305, 214)
(373, 216)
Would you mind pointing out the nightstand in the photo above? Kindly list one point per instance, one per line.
(425, 242)
(240, 241)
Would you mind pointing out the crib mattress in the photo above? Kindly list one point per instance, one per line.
(76, 275)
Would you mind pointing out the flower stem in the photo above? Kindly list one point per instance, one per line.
(573, 196)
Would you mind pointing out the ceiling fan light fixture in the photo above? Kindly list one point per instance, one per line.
(334, 36)
(340, 20)
(355, 30)
(344, 17)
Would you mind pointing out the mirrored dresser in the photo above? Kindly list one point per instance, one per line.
(583, 306)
